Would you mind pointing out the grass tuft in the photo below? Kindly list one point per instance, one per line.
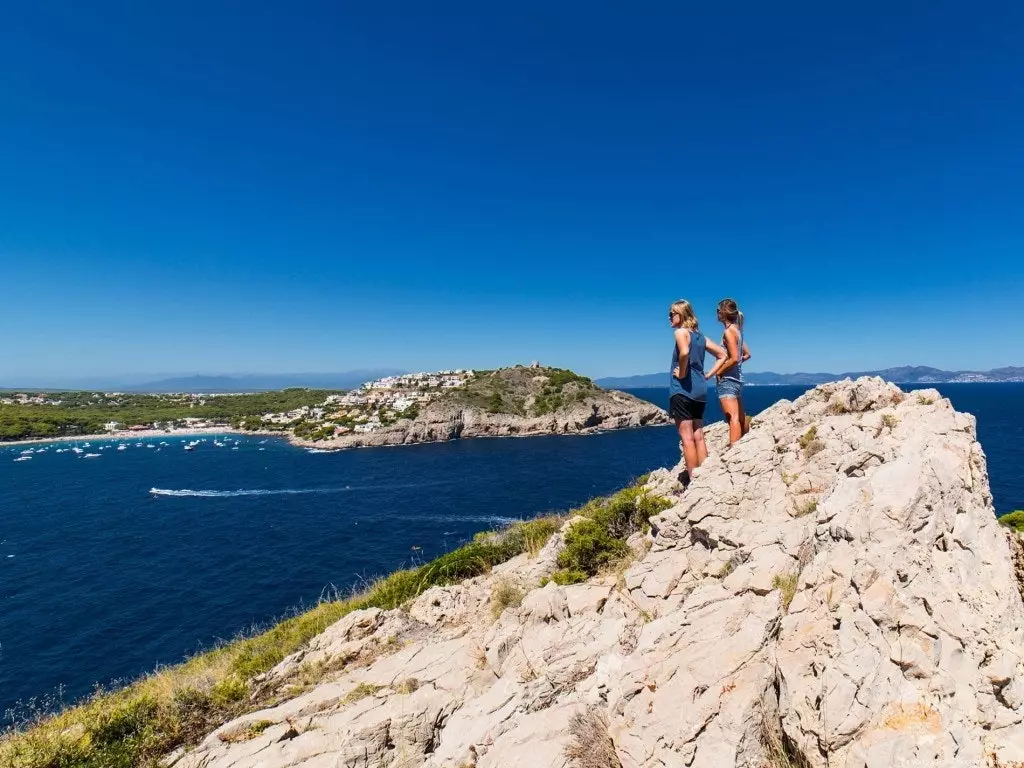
(505, 595)
(360, 692)
(806, 507)
(591, 744)
(810, 443)
(786, 585)
(407, 686)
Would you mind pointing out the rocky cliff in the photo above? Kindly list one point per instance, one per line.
(833, 591)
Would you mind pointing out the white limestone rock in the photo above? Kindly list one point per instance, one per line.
(836, 582)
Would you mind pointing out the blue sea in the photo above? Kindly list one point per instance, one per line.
(112, 565)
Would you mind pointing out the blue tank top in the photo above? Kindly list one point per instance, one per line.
(692, 384)
(736, 372)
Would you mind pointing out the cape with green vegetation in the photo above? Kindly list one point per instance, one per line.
(517, 401)
(832, 590)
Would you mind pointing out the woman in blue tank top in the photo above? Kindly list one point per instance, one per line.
(688, 391)
(729, 369)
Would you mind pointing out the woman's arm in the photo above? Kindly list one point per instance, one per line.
(719, 353)
(732, 354)
(746, 352)
(682, 353)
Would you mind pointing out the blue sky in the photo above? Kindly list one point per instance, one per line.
(229, 187)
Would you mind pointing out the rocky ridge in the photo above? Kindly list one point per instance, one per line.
(833, 591)
(443, 420)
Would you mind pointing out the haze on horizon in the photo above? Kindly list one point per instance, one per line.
(228, 189)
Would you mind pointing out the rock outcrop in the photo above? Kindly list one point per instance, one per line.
(833, 591)
(443, 420)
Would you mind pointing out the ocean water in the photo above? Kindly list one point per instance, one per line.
(114, 564)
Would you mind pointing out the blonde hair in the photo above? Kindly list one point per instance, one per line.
(729, 309)
(687, 318)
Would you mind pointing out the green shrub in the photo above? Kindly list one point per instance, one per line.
(589, 547)
(566, 576)
(1014, 520)
(599, 541)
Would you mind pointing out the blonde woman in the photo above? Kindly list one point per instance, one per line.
(729, 369)
(688, 391)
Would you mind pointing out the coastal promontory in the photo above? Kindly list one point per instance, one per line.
(519, 401)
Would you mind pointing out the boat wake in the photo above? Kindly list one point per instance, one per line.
(242, 492)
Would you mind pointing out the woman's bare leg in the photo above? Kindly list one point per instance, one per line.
(698, 441)
(689, 445)
(731, 409)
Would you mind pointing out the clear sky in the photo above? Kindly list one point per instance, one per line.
(318, 186)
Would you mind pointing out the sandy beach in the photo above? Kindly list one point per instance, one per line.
(125, 434)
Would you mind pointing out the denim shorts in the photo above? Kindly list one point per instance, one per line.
(730, 388)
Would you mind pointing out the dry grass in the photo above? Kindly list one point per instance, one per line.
(247, 732)
(806, 507)
(505, 595)
(809, 442)
(590, 744)
(407, 686)
(480, 657)
(360, 692)
(786, 584)
(779, 753)
(925, 400)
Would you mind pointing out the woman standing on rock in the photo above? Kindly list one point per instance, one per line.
(688, 390)
(729, 369)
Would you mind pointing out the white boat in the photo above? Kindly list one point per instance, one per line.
(190, 447)
(24, 458)
(25, 453)
(122, 447)
(76, 449)
(92, 455)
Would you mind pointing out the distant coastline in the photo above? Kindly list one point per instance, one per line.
(903, 375)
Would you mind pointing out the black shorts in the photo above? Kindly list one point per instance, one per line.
(682, 408)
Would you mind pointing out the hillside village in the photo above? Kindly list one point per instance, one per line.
(309, 414)
(376, 404)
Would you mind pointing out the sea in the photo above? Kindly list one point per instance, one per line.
(141, 556)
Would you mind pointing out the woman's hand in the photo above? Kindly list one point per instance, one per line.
(675, 372)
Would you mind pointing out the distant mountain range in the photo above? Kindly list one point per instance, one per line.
(249, 382)
(916, 374)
